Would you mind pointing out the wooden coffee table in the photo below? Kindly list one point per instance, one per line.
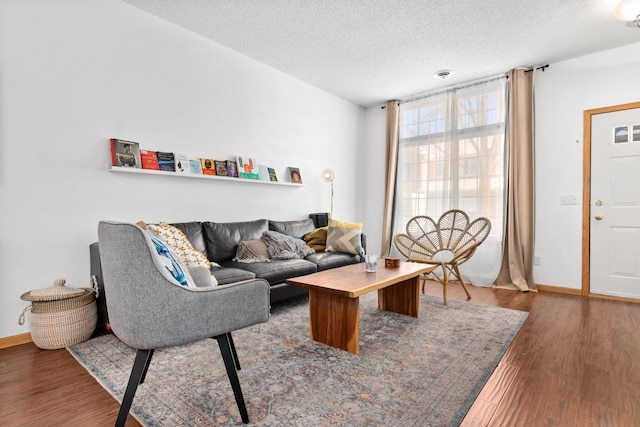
(334, 298)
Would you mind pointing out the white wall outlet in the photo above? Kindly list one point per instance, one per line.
(568, 199)
(536, 260)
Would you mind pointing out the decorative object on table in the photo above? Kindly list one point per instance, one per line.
(294, 175)
(328, 176)
(371, 263)
(391, 262)
(248, 168)
(60, 316)
(125, 153)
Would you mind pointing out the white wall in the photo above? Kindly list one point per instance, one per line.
(562, 93)
(75, 73)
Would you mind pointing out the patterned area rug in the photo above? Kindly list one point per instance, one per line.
(424, 371)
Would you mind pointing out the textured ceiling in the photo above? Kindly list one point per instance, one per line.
(370, 51)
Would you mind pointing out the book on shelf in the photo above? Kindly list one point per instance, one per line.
(149, 160)
(181, 163)
(208, 166)
(248, 168)
(232, 168)
(263, 171)
(221, 167)
(272, 175)
(166, 161)
(125, 153)
(195, 167)
(294, 175)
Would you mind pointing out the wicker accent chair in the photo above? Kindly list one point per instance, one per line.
(447, 243)
(148, 311)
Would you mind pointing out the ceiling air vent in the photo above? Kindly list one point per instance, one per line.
(441, 75)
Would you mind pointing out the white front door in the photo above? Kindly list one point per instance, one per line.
(615, 204)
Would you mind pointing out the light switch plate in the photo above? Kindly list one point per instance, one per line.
(568, 199)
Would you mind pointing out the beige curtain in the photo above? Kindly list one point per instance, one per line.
(516, 271)
(391, 141)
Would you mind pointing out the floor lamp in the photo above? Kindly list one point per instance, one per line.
(328, 176)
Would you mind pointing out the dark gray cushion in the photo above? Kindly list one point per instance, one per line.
(295, 229)
(327, 260)
(193, 231)
(231, 275)
(222, 238)
(276, 271)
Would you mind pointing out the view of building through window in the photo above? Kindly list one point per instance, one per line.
(451, 154)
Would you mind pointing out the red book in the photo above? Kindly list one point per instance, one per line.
(149, 159)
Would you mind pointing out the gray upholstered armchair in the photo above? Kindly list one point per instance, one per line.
(148, 311)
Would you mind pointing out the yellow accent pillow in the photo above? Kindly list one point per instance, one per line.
(316, 239)
(343, 224)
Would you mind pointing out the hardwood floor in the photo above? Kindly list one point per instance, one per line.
(573, 363)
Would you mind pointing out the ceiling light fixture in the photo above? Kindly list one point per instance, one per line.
(628, 11)
(443, 74)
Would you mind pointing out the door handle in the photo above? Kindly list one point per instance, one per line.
(598, 216)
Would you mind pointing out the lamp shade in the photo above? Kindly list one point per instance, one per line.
(328, 175)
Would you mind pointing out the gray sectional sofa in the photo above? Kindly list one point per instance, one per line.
(219, 242)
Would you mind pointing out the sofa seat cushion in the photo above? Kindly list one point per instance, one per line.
(224, 276)
(276, 271)
(327, 260)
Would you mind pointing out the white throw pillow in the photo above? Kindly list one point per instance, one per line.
(180, 244)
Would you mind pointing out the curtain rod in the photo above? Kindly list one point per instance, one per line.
(465, 85)
(542, 67)
(450, 88)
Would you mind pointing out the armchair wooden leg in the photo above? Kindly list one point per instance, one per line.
(139, 370)
(225, 344)
(464, 285)
(444, 293)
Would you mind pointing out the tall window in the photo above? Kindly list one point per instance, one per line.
(452, 155)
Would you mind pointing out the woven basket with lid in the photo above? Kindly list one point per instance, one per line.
(61, 316)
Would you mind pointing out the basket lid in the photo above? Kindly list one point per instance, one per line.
(56, 292)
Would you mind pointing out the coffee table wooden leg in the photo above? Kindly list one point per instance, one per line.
(403, 297)
(335, 320)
